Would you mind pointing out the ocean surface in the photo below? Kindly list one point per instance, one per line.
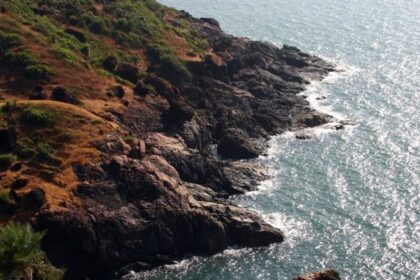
(347, 200)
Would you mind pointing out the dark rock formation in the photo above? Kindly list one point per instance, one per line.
(162, 197)
(321, 275)
(235, 143)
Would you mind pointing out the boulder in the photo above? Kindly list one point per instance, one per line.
(327, 274)
(235, 143)
(313, 119)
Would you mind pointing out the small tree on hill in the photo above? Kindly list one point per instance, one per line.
(21, 257)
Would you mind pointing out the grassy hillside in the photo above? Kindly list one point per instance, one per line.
(67, 66)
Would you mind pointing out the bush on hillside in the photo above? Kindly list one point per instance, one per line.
(21, 256)
(37, 116)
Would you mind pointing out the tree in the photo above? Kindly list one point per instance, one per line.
(21, 257)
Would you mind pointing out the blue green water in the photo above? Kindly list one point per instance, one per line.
(348, 200)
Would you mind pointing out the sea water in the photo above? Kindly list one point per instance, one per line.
(349, 199)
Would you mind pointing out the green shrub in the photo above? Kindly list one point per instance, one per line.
(21, 256)
(95, 23)
(38, 72)
(124, 24)
(6, 160)
(37, 116)
(9, 107)
(5, 197)
(85, 50)
(44, 151)
(66, 54)
(8, 41)
(25, 148)
(20, 57)
(170, 66)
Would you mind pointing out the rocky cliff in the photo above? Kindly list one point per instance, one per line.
(127, 178)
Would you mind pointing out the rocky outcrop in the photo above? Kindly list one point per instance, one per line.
(141, 211)
(327, 274)
(161, 197)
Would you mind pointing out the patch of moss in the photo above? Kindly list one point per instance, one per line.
(37, 116)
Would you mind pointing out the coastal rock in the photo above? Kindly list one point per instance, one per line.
(236, 144)
(327, 274)
(157, 193)
(151, 210)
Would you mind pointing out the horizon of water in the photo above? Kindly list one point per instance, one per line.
(347, 200)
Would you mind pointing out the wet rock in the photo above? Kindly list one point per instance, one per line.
(322, 275)
(128, 72)
(303, 136)
(313, 119)
(243, 176)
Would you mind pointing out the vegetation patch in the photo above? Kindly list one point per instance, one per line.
(37, 116)
(13, 52)
(21, 256)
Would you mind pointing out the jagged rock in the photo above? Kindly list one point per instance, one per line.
(180, 110)
(144, 203)
(236, 144)
(322, 275)
(244, 176)
(313, 119)
(148, 207)
(128, 72)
